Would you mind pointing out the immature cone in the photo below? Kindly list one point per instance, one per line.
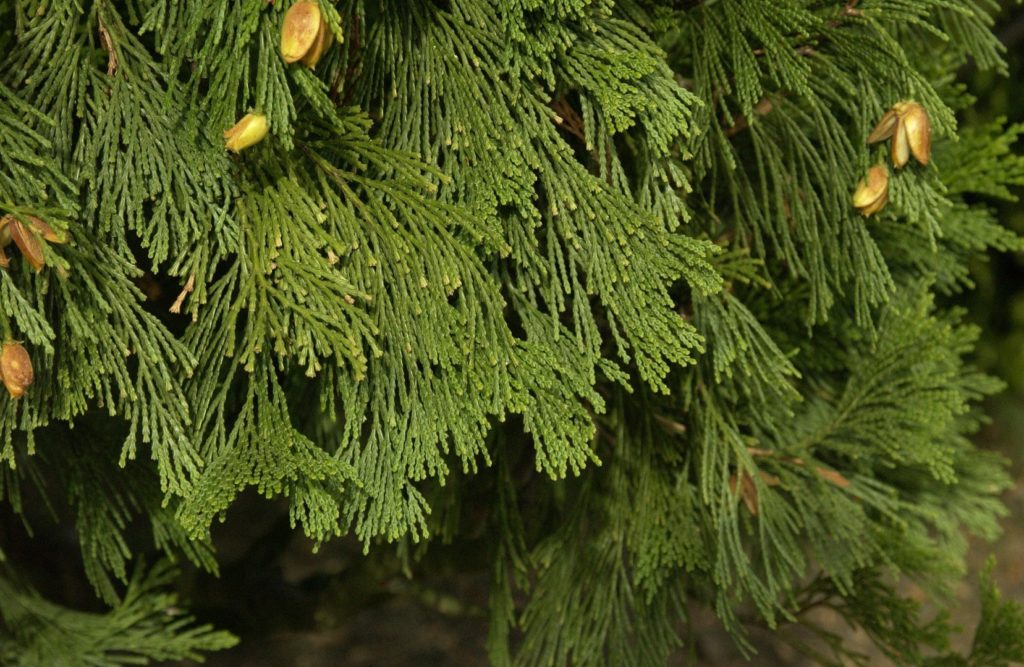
(15, 369)
(911, 132)
(872, 192)
(302, 23)
(246, 132)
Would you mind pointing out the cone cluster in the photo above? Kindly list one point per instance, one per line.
(15, 369)
(907, 124)
(29, 237)
(305, 36)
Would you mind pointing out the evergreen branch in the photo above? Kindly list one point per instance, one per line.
(145, 624)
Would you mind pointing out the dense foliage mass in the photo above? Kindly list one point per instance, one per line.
(582, 281)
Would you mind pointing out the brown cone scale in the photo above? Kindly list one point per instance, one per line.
(885, 127)
(30, 247)
(918, 130)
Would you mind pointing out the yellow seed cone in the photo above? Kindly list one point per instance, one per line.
(877, 206)
(873, 191)
(246, 132)
(298, 33)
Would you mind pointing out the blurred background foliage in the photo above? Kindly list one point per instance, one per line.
(998, 302)
(997, 305)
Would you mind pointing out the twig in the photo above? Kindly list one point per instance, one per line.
(353, 63)
(568, 119)
(108, 46)
(190, 285)
(740, 123)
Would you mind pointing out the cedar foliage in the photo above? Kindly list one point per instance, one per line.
(595, 257)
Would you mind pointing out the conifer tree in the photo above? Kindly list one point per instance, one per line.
(650, 298)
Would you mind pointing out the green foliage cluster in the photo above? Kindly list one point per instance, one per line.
(596, 254)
